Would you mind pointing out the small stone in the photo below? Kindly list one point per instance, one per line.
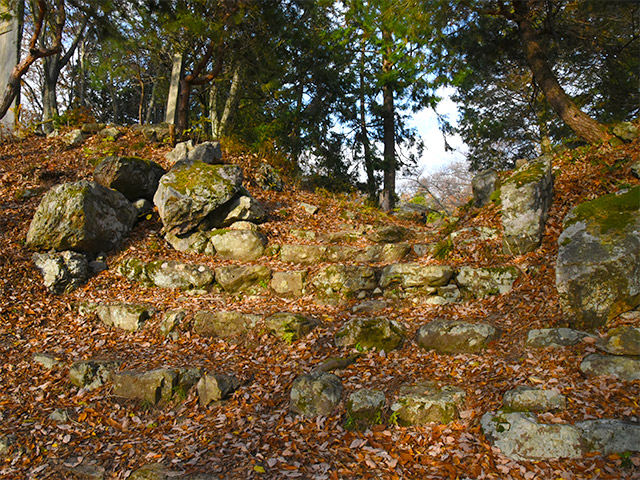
(621, 341)
(427, 402)
(364, 409)
(91, 374)
(127, 316)
(171, 322)
(59, 415)
(625, 368)
(213, 388)
(289, 284)
(528, 399)
(315, 394)
(290, 326)
(310, 209)
(47, 360)
(554, 337)
(368, 333)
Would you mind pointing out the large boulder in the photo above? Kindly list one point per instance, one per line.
(368, 333)
(598, 266)
(455, 336)
(191, 191)
(483, 186)
(62, 272)
(526, 197)
(82, 216)
(132, 176)
(482, 282)
(426, 402)
(243, 208)
(315, 394)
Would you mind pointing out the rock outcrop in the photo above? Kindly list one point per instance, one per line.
(598, 266)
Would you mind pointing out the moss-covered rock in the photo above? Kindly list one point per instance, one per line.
(621, 341)
(191, 191)
(528, 399)
(483, 185)
(526, 197)
(132, 176)
(410, 275)
(127, 316)
(598, 265)
(365, 409)
(223, 324)
(342, 282)
(82, 216)
(290, 327)
(303, 254)
(367, 333)
(426, 402)
(455, 336)
(482, 282)
(315, 394)
(251, 279)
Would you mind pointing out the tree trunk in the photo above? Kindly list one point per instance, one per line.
(582, 124)
(49, 99)
(183, 106)
(230, 104)
(387, 200)
(364, 135)
(152, 104)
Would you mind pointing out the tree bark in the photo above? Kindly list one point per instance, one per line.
(13, 84)
(582, 124)
(364, 134)
(387, 201)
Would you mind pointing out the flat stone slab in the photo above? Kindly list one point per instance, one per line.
(520, 437)
(126, 316)
(368, 333)
(290, 326)
(408, 275)
(250, 279)
(529, 399)
(623, 367)
(482, 282)
(427, 402)
(554, 337)
(93, 373)
(454, 336)
(621, 341)
(223, 324)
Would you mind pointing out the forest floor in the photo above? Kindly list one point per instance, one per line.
(252, 435)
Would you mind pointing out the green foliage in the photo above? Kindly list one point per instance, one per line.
(443, 249)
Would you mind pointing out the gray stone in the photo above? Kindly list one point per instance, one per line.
(426, 402)
(412, 212)
(91, 374)
(529, 399)
(268, 179)
(467, 236)
(62, 272)
(343, 236)
(364, 409)
(483, 185)
(621, 341)
(290, 326)
(206, 152)
(341, 282)
(85, 471)
(242, 245)
(303, 254)
(341, 253)
(91, 128)
(626, 131)
(367, 333)
(310, 209)
(243, 225)
(635, 169)
(6, 441)
(158, 132)
(388, 234)
(75, 138)
(609, 436)
(127, 316)
(213, 387)
(519, 436)
(109, 133)
(249, 279)
(47, 360)
(132, 176)
(625, 368)
(554, 337)
(166, 273)
(154, 386)
(370, 306)
(223, 324)
(194, 242)
(173, 274)
(303, 234)
(526, 197)
(598, 265)
(82, 216)
(242, 208)
(59, 415)
(412, 275)
(449, 293)
(482, 282)
(289, 284)
(191, 191)
(315, 394)
(454, 336)
(171, 322)
(387, 253)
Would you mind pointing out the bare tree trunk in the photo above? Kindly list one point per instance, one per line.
(213, 111)
(387, 200)
(152, 104)
(230, 104)
(582, 124)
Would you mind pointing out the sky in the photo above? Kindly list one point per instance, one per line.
(435, 157)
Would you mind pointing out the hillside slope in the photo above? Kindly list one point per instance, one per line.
(252, 435)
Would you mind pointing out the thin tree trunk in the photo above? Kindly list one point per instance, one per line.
(387, 201)
(152, 104)
(582, 124)
(231, 101)
(213, 111)
(49, 99)
(364, 135)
